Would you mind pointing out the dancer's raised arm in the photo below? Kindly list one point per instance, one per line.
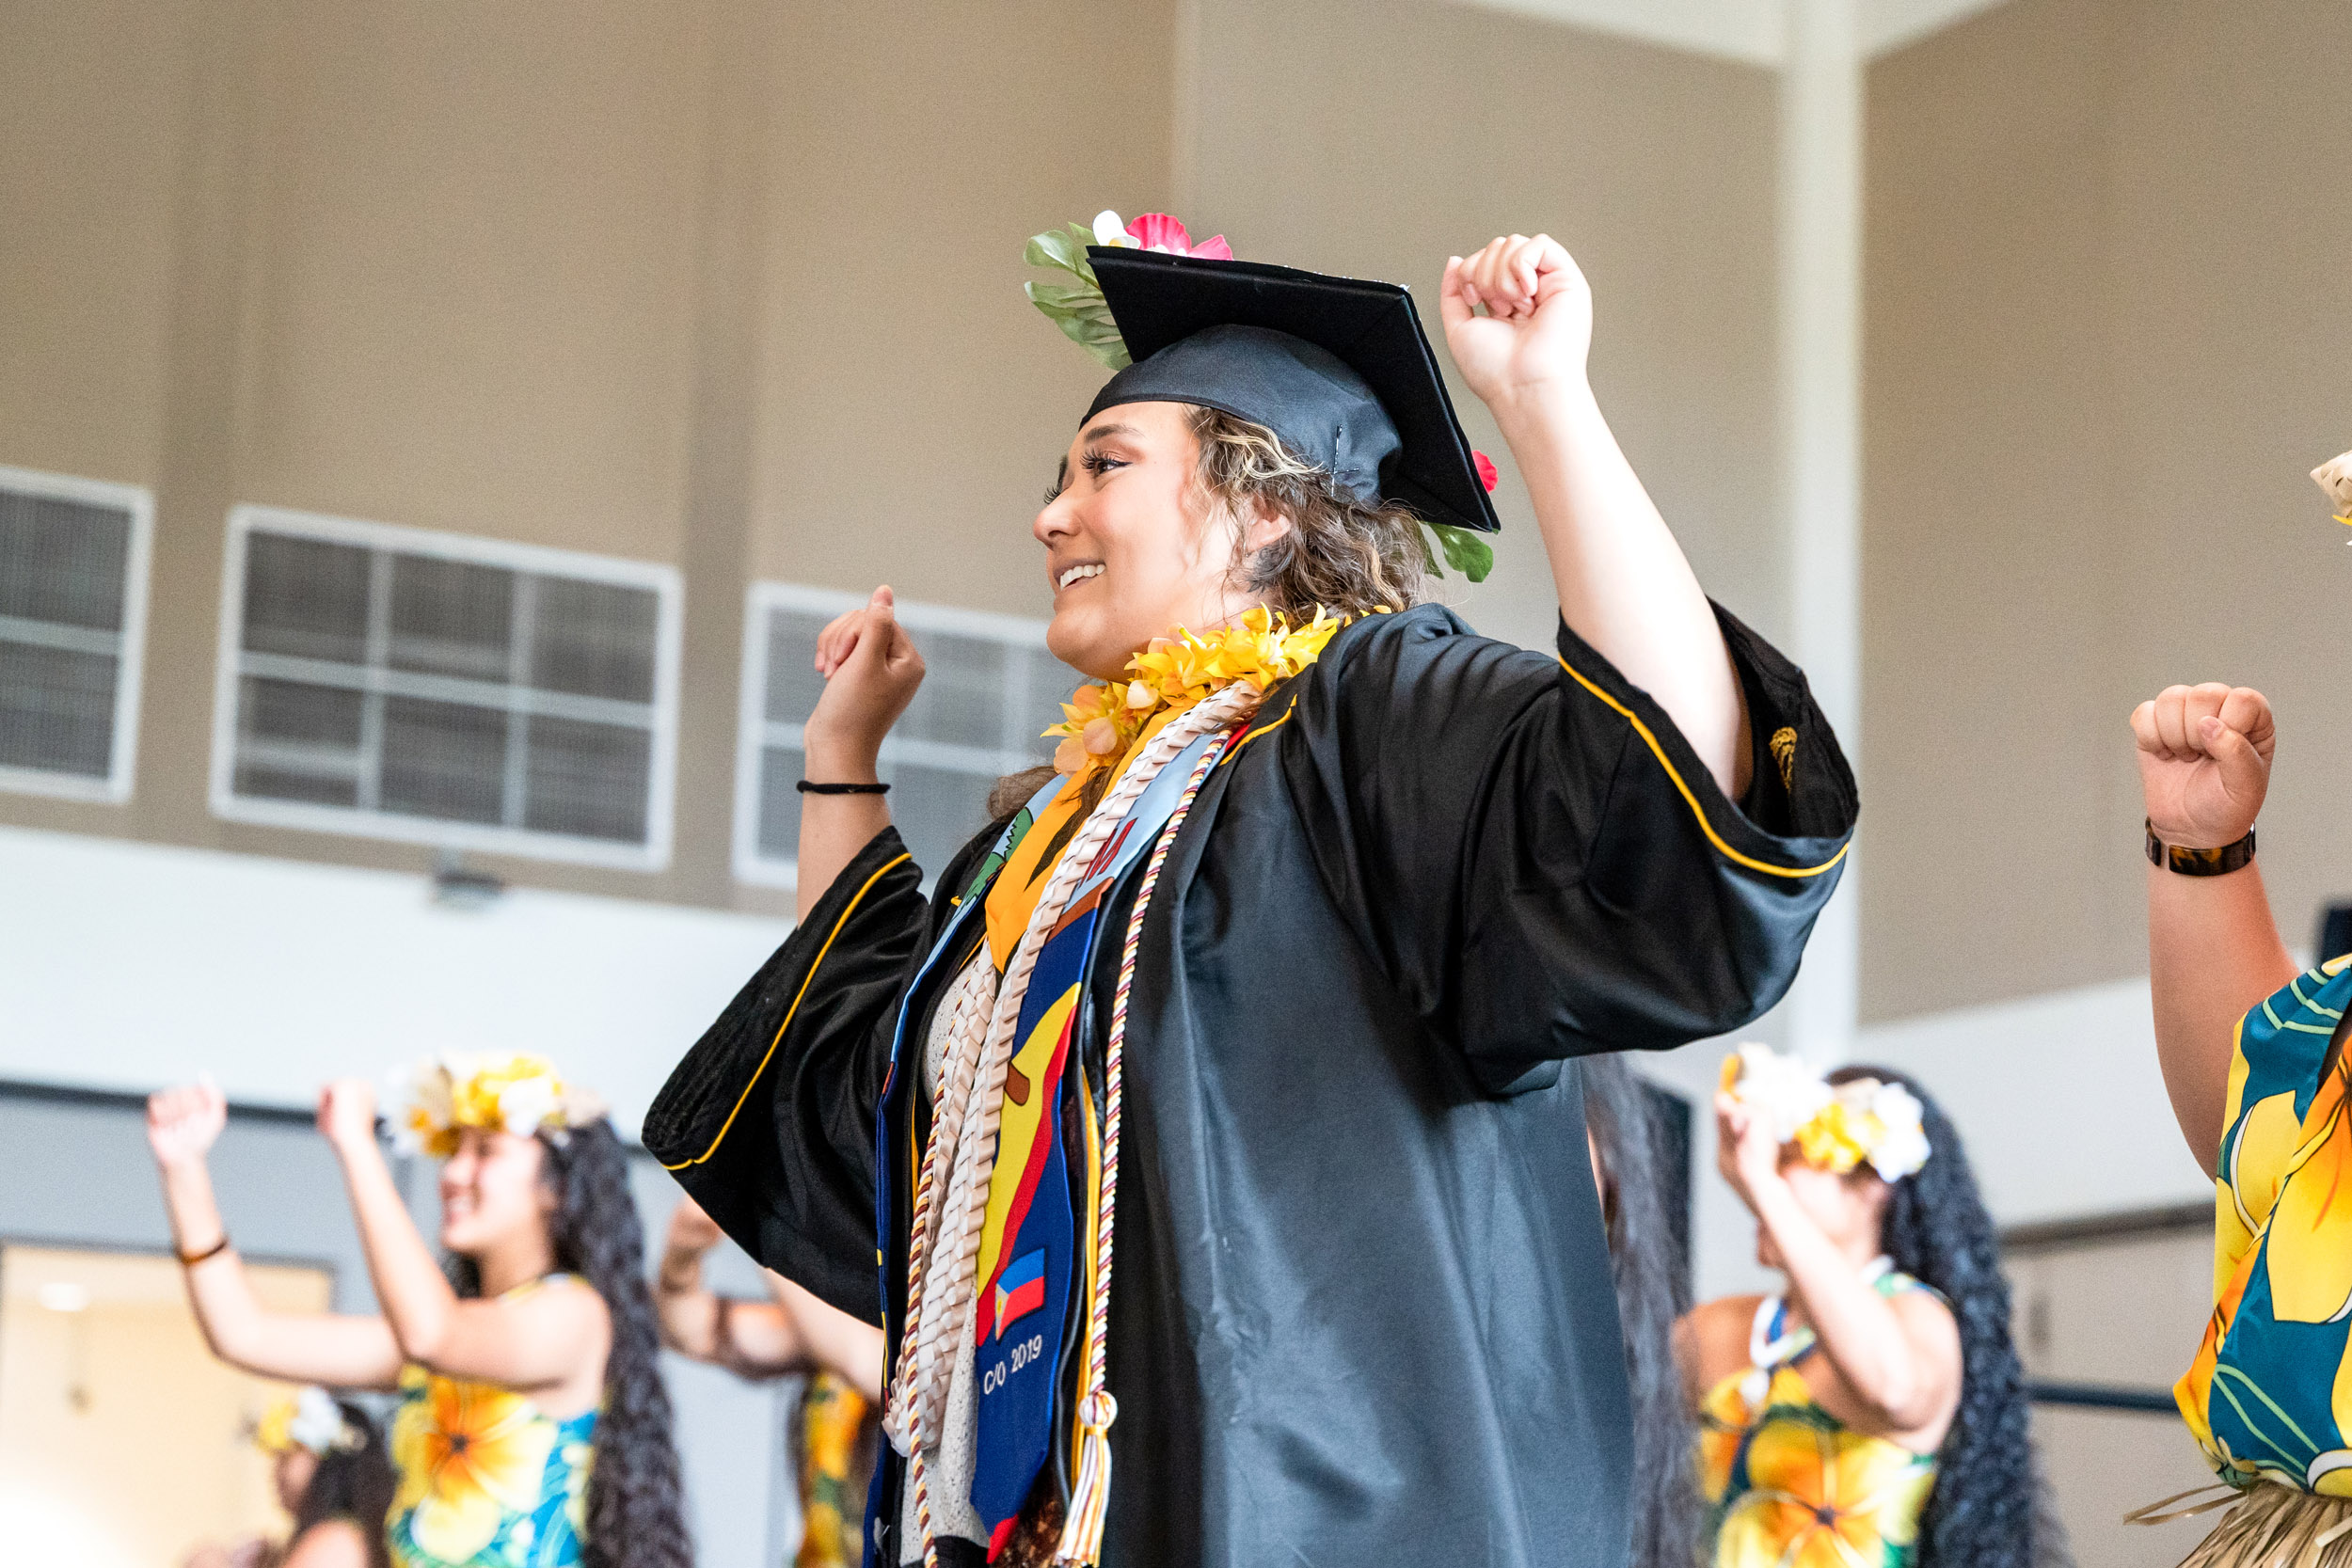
(1625, 586)
(2213, 948)
(535, 1341)
(299, 1347)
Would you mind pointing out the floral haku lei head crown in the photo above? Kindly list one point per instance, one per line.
(1837, 1127)
(1084, 318)
(307, 1418)
(1173, 674)
(1079, 309)
(510, 1092)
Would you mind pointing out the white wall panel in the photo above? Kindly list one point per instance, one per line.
(2059, 1097)
(126, 965)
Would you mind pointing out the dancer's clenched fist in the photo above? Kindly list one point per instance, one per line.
(2204, 762)
(347, 1113)
(183, 1122)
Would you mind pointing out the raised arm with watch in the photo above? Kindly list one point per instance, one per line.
(2214, 950)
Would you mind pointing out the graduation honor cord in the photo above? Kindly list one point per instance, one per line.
(978, 1028)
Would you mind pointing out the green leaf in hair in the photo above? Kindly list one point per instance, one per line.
(1079, 309)
(1464, 552)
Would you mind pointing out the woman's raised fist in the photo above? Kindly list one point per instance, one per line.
(2204, 762)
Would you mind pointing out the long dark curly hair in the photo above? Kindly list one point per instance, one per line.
(1632, 1144)
(636, 1496)
(1990, 1506)
(354, 1480)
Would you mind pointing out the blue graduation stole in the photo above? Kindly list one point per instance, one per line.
(1030, 1248)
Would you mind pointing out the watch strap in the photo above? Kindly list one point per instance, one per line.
(2199, 863)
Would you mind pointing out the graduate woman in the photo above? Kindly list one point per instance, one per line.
(532, 1429)
(1651, 1265)
(1215, 1116)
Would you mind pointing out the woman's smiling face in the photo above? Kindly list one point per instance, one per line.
(1129, 550)
(493, 1189)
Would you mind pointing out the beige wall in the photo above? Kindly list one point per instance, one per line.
(1378, 138)
(94, 103)
(720, 284)
(913, 403)
(2109, 327)
(736, 286)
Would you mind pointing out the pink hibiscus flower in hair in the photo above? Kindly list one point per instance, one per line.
(1157, 231)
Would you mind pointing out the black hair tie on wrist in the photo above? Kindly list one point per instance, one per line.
(807, 788)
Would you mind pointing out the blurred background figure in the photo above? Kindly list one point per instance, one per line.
(1874, 1412)
(837, 1431)
(1649, 1259)
(533, 1425)
(334, 1480)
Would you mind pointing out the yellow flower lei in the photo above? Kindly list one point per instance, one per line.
(1102, 719)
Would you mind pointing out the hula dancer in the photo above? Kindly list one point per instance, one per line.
(2253, 1051)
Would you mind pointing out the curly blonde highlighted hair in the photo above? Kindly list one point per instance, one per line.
(1339, 553)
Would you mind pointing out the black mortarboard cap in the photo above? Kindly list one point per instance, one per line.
(1338, 368)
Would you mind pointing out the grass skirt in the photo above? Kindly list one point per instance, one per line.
(2269, 1526)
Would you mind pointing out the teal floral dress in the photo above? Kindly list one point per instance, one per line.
(2269, 1396)
(487, 1479)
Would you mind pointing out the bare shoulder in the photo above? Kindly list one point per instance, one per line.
(1927, 1319)
(336, 1543)
(1714, 1336)
(1724, 1315)
(563, 1304)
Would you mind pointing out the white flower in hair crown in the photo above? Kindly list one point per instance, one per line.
(308, 1418)
(510, 1092)
(1835, 1125)
(2335, 477)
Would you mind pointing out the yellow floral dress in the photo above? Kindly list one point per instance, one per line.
(1787, 1484)
(2269, 1396)
(487, 1479)
(835, 1466)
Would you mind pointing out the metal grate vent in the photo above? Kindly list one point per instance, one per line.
(72, 586)
(989, 688)
(452, 691)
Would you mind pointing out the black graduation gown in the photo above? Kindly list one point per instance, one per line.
(1361, 1311)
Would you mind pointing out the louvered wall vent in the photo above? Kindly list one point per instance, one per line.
(989, 688)
(445, 689)
(73, 603)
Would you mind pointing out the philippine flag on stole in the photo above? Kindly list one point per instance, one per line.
(1020, 1288)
